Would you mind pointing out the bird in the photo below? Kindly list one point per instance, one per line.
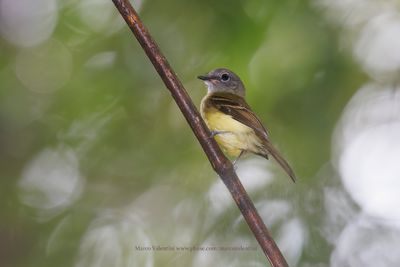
(232, 122)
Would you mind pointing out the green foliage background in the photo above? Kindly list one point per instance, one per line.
(114, 113)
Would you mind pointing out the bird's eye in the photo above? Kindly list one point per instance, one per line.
(225, 77)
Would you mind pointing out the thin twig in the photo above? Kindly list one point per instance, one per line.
(219, 162)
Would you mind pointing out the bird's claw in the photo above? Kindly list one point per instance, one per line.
(214, 133)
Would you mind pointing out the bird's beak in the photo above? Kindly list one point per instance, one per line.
(203, 77)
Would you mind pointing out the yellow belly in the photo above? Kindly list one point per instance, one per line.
(238, 136)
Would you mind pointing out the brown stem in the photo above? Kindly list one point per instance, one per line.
(219, 162)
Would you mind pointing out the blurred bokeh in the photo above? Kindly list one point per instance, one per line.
(99, 168)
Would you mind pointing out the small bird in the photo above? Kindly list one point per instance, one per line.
(232, 123)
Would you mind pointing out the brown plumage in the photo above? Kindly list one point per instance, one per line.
(237, 128)
(236, 107)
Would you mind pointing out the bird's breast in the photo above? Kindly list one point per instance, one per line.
(234, 136)
(218, 121)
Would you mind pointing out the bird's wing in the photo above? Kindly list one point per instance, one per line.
(239, 110)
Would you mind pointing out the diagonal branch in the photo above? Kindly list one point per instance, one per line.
(219, 162)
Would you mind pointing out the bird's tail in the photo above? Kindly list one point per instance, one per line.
(277, 156)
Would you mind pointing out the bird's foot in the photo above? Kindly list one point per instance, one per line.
(237, 159)
(214, 133)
